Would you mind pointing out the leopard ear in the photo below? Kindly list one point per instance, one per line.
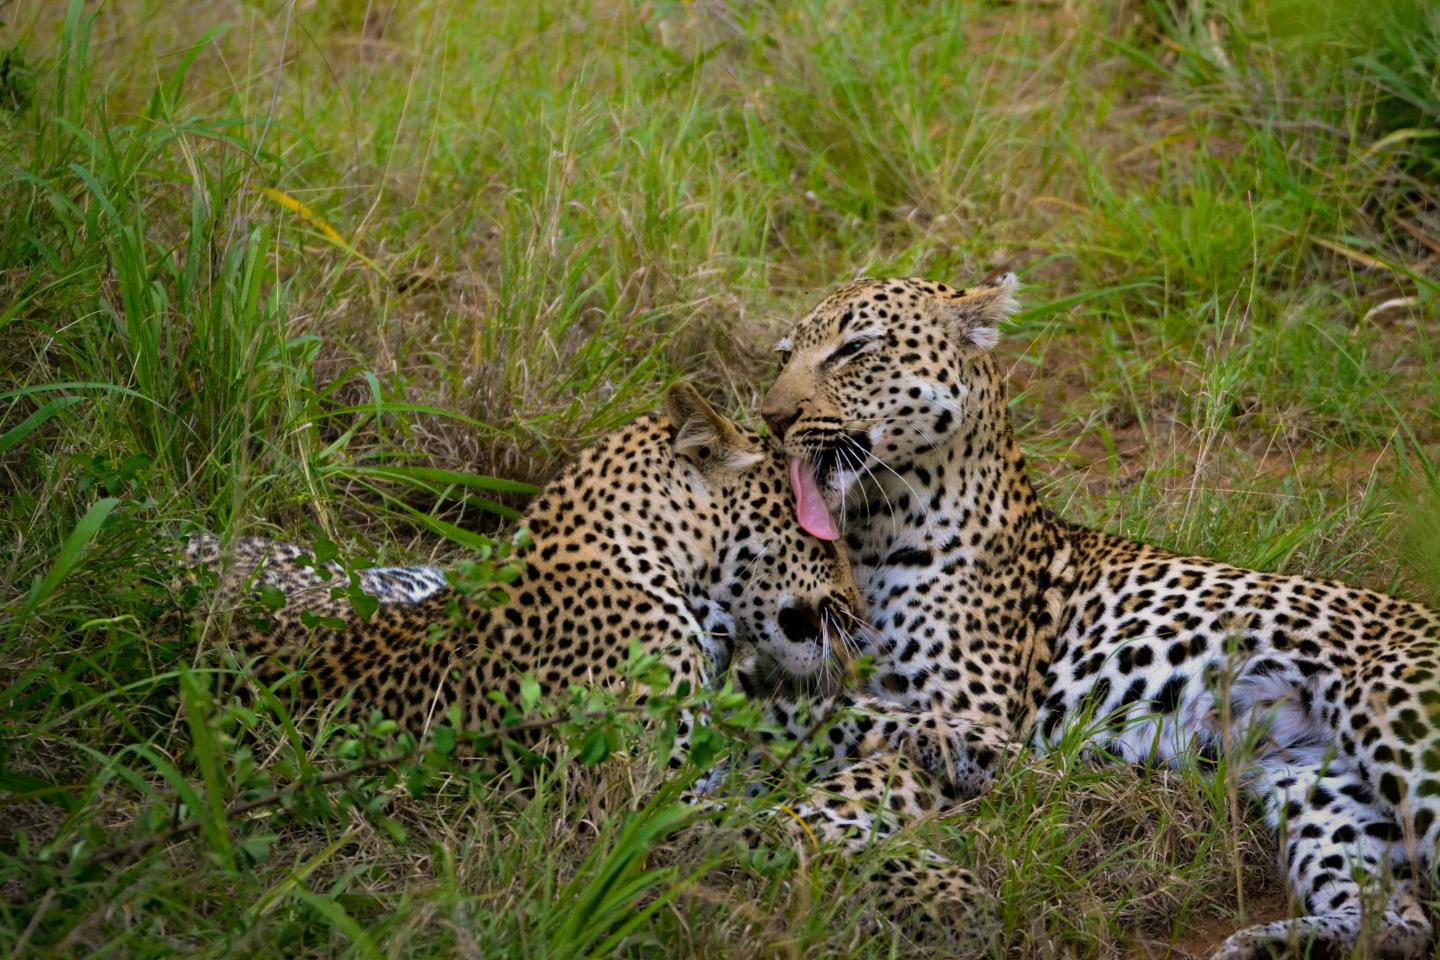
(704, 436)
(976, 314)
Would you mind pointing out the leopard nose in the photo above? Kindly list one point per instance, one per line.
(800, 623)
(778, 420)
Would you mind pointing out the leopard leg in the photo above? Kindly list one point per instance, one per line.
(963, 753)
(866, 804)
(1338, 848)
(965, 756)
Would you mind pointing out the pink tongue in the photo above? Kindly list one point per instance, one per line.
(810, 507)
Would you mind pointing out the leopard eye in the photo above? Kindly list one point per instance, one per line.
(848, 349)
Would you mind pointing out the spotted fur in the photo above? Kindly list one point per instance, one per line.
(675, 532)
(1016, 626)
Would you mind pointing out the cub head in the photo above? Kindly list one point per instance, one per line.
(880, 372)
(765, 580)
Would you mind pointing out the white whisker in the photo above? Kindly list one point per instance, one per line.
(862, 455)
(858, 465)
(919, 501)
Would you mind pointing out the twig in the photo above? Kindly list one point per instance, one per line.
(34, 923)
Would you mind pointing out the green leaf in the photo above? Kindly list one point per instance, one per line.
(207, 750)
(465, 538)
(445, 740)
(364, 605)
(384, 727)
(529, 693)
(657, 678)
(257, 846)
(271, 597)
(705, 745)
(602, 905)
(434, 475)
(595, 747)
(31, 788)
(324, 551)
(78, 385)
(31, 423)
(70, 552)
(332, 911)
(1041, 310)
(311, 620)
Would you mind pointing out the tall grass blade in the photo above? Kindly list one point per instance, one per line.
(71, 550)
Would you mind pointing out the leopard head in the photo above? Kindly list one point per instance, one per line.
(879, 373)
(767, 581)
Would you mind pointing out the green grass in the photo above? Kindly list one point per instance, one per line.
(335, 271)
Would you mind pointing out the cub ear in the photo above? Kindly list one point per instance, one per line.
(976, 314)
(703, 436)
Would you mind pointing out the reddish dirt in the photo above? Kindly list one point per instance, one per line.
(1201, 938)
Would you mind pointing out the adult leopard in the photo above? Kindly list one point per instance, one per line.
(674, 532)
(1015, 625)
